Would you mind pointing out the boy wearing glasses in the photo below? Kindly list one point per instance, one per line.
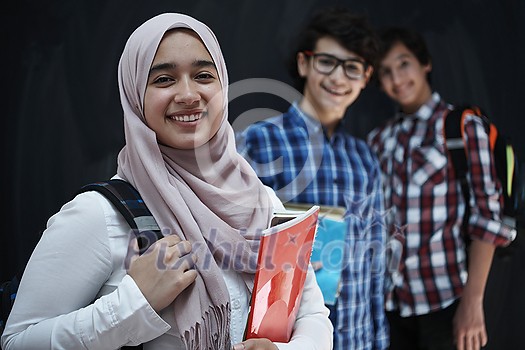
(432, 304)
(306, 156)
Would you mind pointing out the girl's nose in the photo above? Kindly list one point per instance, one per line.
(186, 93)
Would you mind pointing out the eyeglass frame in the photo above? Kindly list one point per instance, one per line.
(339, 61)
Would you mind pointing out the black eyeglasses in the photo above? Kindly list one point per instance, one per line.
(324, 63)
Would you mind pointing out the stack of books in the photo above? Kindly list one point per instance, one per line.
(328, 248)
(284, 257)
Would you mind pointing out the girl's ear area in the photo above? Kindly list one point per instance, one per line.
(302, 64)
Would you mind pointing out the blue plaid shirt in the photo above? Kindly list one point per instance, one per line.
(292, 154)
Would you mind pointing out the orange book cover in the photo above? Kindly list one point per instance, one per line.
(284, 256)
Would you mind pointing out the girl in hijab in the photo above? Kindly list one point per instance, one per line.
(191, 289)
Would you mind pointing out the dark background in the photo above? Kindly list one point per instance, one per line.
(63, 123)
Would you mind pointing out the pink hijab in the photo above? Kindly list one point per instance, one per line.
(208, 195)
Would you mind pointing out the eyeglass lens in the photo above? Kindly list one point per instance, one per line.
(326, 64)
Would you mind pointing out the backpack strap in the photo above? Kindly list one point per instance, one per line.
(129, 203)
(454, 131)
(453, 134)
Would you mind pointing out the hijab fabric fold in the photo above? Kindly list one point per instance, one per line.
(209, 196)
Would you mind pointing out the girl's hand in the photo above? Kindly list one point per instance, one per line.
(163, 271)
(256, 344)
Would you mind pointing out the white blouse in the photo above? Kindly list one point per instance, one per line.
(83, 248)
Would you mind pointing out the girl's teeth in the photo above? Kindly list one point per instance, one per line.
(187, 118)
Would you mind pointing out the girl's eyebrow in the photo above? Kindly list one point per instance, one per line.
(203, 63)
(169, 66)
(162, 66)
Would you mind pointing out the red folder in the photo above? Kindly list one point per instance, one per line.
(284, 256)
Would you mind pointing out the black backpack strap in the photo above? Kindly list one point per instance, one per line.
(129, 203)
(455, 143)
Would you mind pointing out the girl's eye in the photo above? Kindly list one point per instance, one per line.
(162, 80)
(205, 76)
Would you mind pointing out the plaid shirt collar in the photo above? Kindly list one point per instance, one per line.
(313, 123)
(425, 111)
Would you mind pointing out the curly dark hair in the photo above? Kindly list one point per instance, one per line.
(350, 30)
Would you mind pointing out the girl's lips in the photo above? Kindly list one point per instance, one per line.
(188, 117)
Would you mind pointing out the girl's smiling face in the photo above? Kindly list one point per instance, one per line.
(183, 102)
